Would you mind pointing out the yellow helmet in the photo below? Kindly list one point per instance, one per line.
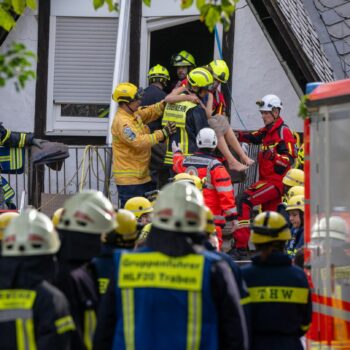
(183, 59)
(139, 206)
(127, 92)
(127, 224)
(158, 73)
(5, 219)
(296, 202)
(296, 191)
(195, 180)
(57, 216)
(294, 177)
(269, 226)
(210, 226)
(200, 77)
(220, 70)
(301, 155)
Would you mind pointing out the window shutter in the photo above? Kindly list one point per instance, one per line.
(84, 59)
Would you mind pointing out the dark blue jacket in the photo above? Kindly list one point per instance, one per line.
(296, 242)
(280, 302)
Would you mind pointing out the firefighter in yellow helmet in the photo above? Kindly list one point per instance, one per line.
(123, 237)
(189, 117)
(132, 141)
(184, 62)
(195, 180)
(141, 207)
(34, 314)
(294, 177)
(177, 276)
(295, 210)
(280, 297)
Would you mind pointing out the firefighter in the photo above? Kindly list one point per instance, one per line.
(275, 157)
(10, 161)
(280, 297)
(218, 191)
(300, 163)
(282, 207)
(5, 220)
(194, 179)
(33, 313)
(184, 62)
(123, 237)
(171, 294)
(142, 208)
(132, 141)
(189, 117)
(294, 177)
(295, 209)
(86, 216)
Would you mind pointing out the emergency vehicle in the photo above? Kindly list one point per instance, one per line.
(327, 213)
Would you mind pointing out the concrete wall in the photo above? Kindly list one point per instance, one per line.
(257, 72)
(17, 108)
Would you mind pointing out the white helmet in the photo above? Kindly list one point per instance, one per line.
(338, 228)
(88, 211)
(180, 208)
(31, 233)
(206, 138)
(268, 102)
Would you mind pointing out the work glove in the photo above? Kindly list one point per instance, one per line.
(269, 155)
(169, 129)
(175, 147)
(36, 142)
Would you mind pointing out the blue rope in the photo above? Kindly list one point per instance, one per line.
(217, 39)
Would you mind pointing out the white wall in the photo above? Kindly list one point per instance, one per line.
(257, 72)
(17, 108)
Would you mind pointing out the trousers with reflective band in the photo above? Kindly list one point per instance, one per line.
(169, 291)
(176, 112)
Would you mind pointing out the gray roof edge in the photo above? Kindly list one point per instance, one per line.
(325, 40)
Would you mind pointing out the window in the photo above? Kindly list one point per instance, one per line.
(81, 65)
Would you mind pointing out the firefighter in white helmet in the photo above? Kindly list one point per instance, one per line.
(34, 314)
(176, 275)
(85, 217)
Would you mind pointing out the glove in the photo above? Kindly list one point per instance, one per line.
(36, 143)
(175, 147)
(269, 155)
(169, 129)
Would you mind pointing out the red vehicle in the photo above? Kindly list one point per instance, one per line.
(327, 213)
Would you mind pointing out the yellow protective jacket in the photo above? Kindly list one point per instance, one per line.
(132, 143)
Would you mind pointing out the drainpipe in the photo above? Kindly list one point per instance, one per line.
(120, 59)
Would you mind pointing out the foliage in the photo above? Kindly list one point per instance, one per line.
(303, 111)
(16, 61)
(211, 11)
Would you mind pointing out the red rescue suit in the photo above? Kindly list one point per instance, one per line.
(275, 158)
(218, 191)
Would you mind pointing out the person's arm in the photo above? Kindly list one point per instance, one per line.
(151, 113)
(10, 138)
(232, 327)
(106, 320)
(178, 160)
(254, 137)
(172, 98)
(54, 325)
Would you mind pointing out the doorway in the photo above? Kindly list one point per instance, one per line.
(193, 37)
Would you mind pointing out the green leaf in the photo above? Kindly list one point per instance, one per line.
(303, 111)
(19, 6)
(228, 9)
(185, 4)
(6, 20)
(147, 2)
(32, 4)
(110, 5)
(199, 4)
(212, 17)
(204, 10)
(98, 4)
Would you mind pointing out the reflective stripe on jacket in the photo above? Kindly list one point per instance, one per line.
(132, 143)
(177, 112)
